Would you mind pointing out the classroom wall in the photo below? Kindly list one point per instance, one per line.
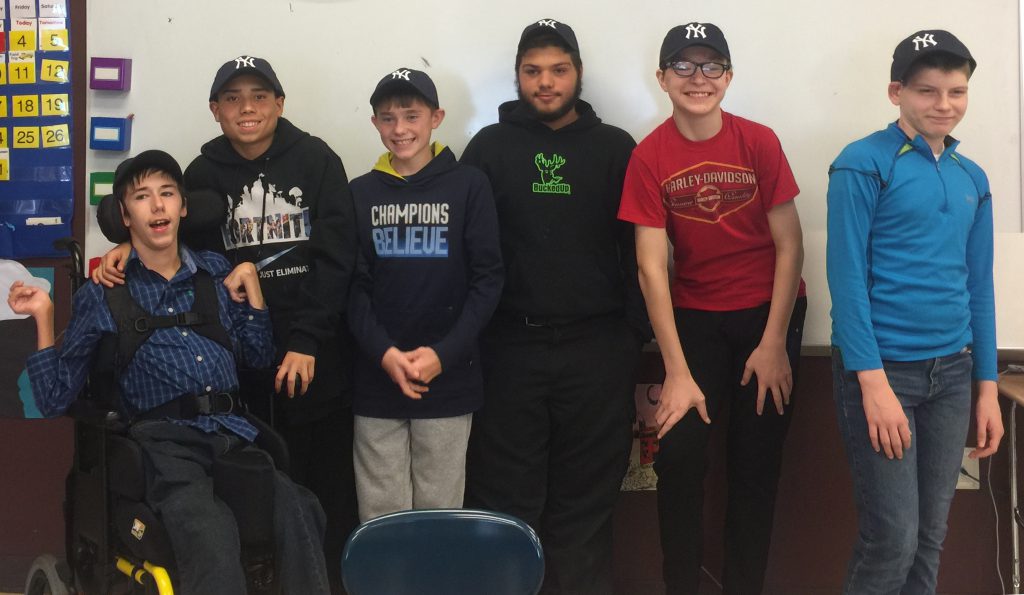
(814, 71)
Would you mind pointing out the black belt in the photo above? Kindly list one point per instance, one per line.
(192, 406)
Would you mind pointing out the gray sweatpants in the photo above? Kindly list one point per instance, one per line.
(403, 464)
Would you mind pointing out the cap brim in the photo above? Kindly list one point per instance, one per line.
(147, 160)
(242, 71)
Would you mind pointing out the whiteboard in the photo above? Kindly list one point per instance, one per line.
(815, 71)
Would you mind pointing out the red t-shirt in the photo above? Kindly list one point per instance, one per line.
(713, 198)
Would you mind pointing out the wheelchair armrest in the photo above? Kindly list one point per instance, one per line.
(270, 441)
(92, 414)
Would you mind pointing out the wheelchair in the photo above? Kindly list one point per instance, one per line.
(115, 544)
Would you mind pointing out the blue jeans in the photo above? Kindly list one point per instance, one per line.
(902, 505)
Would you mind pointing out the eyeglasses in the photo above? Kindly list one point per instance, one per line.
(711, 70)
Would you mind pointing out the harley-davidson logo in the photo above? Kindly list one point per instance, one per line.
(709, 191)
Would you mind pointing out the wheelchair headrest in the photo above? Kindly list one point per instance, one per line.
(206, 211)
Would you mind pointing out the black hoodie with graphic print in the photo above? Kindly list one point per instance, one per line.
(567, 256)
(290, 213)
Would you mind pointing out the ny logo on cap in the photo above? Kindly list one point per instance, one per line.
(547, 23)
(923, 41)
(244, 61)
(400, 74)
(696, 29)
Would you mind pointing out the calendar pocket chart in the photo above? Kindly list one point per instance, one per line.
(36, 184)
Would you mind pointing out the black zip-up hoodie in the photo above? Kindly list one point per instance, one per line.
(429, 274)
(304, 250)
(567, 256)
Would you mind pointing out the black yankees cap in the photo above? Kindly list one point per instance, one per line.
(405, 80)
(152, 159)
(563, 31)
(245, 65)
(921, 44)
(681, 37)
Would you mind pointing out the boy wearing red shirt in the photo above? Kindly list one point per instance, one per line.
(720, 189)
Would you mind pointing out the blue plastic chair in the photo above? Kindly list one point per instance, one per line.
(443, 552)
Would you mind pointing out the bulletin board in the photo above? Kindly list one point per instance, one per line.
(36, 183)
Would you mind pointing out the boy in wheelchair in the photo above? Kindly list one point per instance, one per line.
(177, 379)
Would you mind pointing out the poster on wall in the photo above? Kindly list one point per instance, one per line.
(36, 188)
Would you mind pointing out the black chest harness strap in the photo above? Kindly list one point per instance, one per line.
(135, 326)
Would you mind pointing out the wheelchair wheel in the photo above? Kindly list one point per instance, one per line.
(47, 577)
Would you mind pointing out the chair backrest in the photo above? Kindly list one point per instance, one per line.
(435, 552)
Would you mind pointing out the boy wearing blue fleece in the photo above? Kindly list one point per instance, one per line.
(428, 278)
(910, 273)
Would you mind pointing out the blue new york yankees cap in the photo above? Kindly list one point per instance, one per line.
(404, 80)
(921, 44)
(681, 37)
(563, 31)
(245, 65)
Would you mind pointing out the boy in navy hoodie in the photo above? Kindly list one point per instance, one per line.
(428, 278)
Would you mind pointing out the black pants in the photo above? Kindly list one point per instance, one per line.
(717, 345)
(551, 444)
(202, 529)
(321, 460)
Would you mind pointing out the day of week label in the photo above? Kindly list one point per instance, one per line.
(53, 8)
(23, 9)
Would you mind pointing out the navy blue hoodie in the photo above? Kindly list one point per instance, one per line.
(429, 274)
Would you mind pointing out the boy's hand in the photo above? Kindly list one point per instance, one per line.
(295, 365)
(28, 300)
(425, 362)
(396, 363)
(990, 420)
(111, 269)
(770, 364)
(243, 284)
(678, 396)
(888, 426)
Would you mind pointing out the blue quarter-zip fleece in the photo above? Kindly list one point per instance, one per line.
(909, 253)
